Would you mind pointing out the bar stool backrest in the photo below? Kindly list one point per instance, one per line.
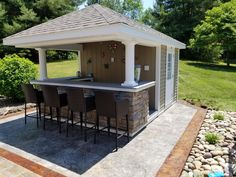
(105, 104)
(29, 93)
(50, 95)
(75, 99)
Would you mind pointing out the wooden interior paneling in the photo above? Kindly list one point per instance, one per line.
(147, 56)
(100, 53)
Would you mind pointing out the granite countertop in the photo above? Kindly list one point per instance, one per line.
(83, 82)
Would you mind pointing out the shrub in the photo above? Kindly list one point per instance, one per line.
(212, 138)
(219, 116)
(14, 71)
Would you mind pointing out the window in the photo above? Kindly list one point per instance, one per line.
(169, 66)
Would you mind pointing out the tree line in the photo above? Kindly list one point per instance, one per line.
(207, 27)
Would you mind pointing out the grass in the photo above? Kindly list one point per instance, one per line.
(208, 85)
(218, 116)
(212, 138)
(62, 68)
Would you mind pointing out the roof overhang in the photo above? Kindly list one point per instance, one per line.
(117, 32)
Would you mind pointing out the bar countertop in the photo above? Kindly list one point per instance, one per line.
(83, 83)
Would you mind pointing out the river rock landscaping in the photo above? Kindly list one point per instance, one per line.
(8, 106)
(214, 149)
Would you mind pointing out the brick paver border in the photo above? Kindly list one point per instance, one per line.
(174, 163)
(32, 166)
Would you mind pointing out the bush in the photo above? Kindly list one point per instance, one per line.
(219, 116)
(14, 71)
(212, 138)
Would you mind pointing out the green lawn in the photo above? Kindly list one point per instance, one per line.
(62, 68)
(200, 83)
(208, 85)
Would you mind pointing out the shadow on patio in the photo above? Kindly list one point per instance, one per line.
(69, 152)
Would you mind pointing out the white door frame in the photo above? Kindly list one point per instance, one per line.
(169, 94)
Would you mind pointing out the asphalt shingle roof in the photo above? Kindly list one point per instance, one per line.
(89, 17)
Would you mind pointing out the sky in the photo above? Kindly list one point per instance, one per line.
(147, 3)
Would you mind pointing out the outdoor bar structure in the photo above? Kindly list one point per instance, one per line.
(113, 51)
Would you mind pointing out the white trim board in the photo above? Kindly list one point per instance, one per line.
(119, 32)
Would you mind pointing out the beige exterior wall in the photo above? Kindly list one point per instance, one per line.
(163, 77)
(100, 54)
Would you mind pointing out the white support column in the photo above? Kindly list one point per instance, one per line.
(79, 61)
(42, 64)
(80, 53)
(129, 64)
(157, 75)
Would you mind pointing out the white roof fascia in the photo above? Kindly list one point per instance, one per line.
(117, 32)
(152, 38)
(64, 37)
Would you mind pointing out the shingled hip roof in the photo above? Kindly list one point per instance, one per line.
(86, 20)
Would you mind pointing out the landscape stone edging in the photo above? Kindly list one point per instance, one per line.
(4, 111)
(221, 157)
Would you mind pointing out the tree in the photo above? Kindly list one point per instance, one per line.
(2, 18)
(18, 15)
(49, 9)
(133, 9)
(112, 4)
(130, 8)
(149, 19)
(216, 34)
(177, 18)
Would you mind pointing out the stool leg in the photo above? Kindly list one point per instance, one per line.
(39, 107)
(108, 125)
(127, 126)
(59, 119)
(81, 120)
(85, 129)
(97, 122)
(37, 116)
(67, 122)
(44, 112)
(25, 112)
(72, 118)
(51, 113)
(116, 134)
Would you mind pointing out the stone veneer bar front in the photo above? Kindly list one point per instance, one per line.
(138, 102)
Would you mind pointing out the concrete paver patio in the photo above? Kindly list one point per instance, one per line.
(8, 168)
(143, 156)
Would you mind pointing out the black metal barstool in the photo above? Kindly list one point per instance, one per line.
(107, 105)
(53, 99)
(78, 102)
(34, 96)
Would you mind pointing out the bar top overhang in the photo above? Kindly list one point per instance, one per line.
(79, 83)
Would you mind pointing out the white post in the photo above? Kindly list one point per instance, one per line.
(79, 61)
(80, 53)
(42, 64)
(129, 64)
(158, 76)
